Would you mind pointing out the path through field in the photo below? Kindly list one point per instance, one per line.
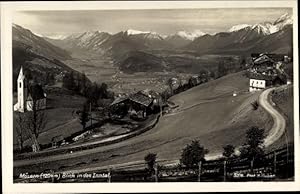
(279, 124)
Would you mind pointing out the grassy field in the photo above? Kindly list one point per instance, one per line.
(60, 120)
(208, 113)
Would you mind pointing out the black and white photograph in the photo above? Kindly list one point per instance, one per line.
(147, 95)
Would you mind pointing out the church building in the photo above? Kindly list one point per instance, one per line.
(29, 95)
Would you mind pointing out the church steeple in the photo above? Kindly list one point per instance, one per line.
(22, 91)
(21, 74)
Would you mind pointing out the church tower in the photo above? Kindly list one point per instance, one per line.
(22, 91)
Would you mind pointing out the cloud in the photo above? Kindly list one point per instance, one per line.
(161, 21)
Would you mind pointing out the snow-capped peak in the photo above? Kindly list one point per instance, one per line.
(57, 36)
(238, 27)
(146, 34)
(261, 29)
(190, 35)
(39, 35)
(134, 32)
(266, 28)
(285, 18)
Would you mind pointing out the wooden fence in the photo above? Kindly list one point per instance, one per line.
(278, 164)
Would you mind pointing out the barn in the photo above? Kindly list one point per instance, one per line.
(138, 105)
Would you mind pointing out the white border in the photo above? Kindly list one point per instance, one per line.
(7, 10)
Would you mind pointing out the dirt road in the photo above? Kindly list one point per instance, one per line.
(279, 122)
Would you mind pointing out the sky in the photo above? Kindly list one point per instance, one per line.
(163, 21)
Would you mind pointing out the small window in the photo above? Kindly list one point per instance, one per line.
(20, 85)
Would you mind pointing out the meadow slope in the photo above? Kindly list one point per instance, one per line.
(208, 113)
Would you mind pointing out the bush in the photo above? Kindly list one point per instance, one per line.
(255, 105)
(150, 160)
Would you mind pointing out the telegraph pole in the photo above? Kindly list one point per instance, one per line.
(287, 147)
(199, 171)
(251, 164)
(275, 160)
(156, 172)
(224, 170)
(109, 175)
(91, 113)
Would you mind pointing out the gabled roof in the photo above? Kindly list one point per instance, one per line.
(141, 99)
(270, 56)
(259, 76)
(150, 93)
(263, 59)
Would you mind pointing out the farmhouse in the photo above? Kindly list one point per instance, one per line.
(138, 105)
(266, 70)
(30, 96)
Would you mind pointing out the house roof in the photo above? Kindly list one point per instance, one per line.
(141, 98)
(261, 77)
(150, 93)
(260, 58)
(263, 59)
(35, 92)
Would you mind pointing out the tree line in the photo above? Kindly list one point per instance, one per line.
(80, 84)
(224, 67)
(194, 153)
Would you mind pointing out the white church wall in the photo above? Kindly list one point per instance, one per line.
(23, 104)
(40, 104)
(22, 93)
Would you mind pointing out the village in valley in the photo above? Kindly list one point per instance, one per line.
(184, 115)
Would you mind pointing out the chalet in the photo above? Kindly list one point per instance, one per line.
(30, 96)
(266, 70)
(138, 105)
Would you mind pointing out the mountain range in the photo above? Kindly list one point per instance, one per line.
(122, 42)
(36, 55)
(132, 46)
